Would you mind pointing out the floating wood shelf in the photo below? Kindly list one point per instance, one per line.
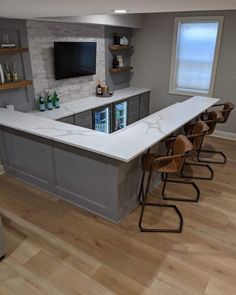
(15, 85)
(121, 69)
(13, 50)
(120, 47)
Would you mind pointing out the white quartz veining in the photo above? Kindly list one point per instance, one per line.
(88, 103)
(125, 144)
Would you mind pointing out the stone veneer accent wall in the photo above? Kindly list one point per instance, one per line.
(41, 36)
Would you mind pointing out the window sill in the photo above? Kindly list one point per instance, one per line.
(188, 93)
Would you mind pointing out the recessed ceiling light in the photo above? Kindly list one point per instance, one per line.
(120, 11)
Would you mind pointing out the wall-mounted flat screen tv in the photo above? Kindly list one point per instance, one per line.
(74, 59)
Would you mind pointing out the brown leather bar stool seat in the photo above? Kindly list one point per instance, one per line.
(153, 163)
(197, 131)
(165, 166)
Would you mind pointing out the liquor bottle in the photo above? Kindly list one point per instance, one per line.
(56, 100)
(48, 99)
(41, 103)
(116, 39)
(115, 62)
(15, 76)
(99, 88)
(53, 99)
(7, 73)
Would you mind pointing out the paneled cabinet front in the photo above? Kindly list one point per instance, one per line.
(133, 109)
(84, 119)
(68, 120)
(144, 105)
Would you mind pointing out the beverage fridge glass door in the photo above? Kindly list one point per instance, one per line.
(120, 115)
(102, 120)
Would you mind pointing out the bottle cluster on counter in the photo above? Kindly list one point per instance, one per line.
(48, 101)
(102, 90)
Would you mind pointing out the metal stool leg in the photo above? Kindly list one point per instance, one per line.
(212, 152)
(145, 203)
(172, 198)
(161, 230)
(198, 177)
(141, 192)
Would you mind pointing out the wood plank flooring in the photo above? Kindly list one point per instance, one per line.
(55, 248)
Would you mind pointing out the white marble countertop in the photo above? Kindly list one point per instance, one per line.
(125, 144)
(88, 103)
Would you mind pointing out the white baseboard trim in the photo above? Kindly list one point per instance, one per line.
(1, 169)
(224, 134)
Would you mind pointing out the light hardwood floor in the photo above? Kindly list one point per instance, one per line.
(55, 248)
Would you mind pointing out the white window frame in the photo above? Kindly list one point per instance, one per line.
(175, 46)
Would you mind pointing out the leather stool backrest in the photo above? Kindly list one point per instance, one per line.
(199, 129)
(227, 109)
(181, 146)
(212, 120)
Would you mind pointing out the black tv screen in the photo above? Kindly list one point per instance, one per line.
(74, 59)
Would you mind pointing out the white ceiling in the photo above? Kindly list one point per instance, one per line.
(56, 8)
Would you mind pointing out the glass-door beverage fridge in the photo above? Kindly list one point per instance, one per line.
(119, 115)
(101, 119)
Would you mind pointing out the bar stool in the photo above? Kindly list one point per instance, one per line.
(197, 131)
(211, 118)
(165, 165)
(226, 109)
(208, 117)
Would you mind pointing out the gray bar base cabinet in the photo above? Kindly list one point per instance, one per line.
(144, 104)
(84, 119)
(138, 108)
(99, 184)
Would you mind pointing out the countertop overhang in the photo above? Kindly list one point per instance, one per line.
(123, 145)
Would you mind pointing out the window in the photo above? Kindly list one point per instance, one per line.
(195, 52)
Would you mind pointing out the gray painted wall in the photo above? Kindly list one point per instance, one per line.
(41, 35)
(23, 98)
(152, 59)
(118, 80)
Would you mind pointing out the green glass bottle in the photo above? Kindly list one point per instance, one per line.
(41, 102)
(48, 100)
(56, 100)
